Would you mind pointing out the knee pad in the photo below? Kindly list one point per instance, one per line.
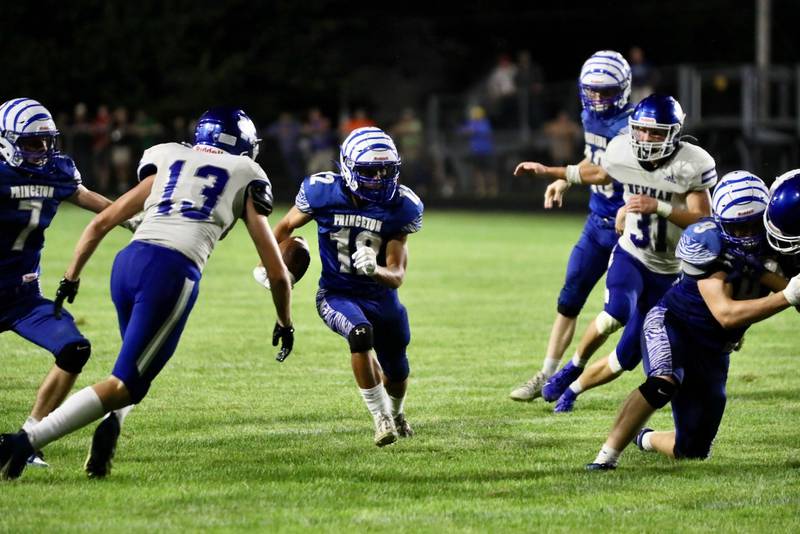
(606, 324)
(657, 391)
(74, 356)
(360, 338)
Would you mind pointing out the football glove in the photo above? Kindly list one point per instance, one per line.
(260, 276)
(67, 289)
(286, 336)
(365, 260)
(792, 291)
(133, 223)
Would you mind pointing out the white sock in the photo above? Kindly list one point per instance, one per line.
(578, 361)
(550, 366)
(76, 412)
(576, 387)
(122, 413)
(377, 400)
(646, 445)
(397, 405)
(607, 455)
(30, 422)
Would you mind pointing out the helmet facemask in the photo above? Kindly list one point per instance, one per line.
(651, 141)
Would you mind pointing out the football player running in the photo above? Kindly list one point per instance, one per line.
(688, 336)
(34, 179)
(666, 183)
(363, 221)
(192, 196)
(605, 86)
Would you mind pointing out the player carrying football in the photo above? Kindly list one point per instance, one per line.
(363, 220)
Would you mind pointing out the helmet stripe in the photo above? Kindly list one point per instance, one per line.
(10, 106)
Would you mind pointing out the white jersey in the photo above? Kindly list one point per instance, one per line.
(650, 238)
(197, 197)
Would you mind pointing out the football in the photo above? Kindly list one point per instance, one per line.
(296, 255)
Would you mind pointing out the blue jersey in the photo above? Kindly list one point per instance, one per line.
(28, 203)
(605, 200)
(343, 226)
(703, 252)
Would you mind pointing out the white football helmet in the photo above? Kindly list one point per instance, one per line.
(27, 134)
(738, 203)
(370, 164)
(605, 83)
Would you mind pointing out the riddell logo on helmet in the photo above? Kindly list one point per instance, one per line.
(647, 119)
(381, 158)
(746, 212)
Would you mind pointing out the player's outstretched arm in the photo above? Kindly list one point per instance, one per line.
(89, 200)
(738, 313)
(121, 210)
(270, 255)
(393, 274)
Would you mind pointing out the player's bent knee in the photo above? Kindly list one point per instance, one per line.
(657, 391)
(606, 324)
(396, 370)
(360, 338)
(569, 310)
(693, 451)
(74, 356)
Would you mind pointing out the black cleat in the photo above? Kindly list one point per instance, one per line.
(104, 444)
(14, 452)
(404, 430)
(600, 467)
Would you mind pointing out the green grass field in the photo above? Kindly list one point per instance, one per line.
(228, 439)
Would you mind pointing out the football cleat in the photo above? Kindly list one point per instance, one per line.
(14, 452)
(559, 382)
(566, 402)
(530, 389)
(37, 460)
(104, 445)
(404, 430)
(637, 440)
(385, 431)
(601, 467)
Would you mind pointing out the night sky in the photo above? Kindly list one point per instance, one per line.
(179, 56)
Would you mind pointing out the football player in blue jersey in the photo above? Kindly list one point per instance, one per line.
(782, 221)
(604, 86)
(34, 179)
(363, 219)
(666, 183)
(688, 336)
(191, 197)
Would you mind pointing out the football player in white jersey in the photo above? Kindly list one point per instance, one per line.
(191, 197)
(666, 188)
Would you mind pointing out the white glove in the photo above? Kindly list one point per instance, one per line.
(792, 291)
(260, 274)
(365, 260)
(133, 223)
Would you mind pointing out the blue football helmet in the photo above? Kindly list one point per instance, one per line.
(655, 124)
(228, 129)
(370, 164)
(782, 217)
(28, 134)
(605, 83)
(738, 204)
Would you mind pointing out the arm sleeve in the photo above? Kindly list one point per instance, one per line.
(301, 200)
(261, 193)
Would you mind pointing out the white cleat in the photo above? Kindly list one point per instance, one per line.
(530, 389)
(37, 460)
(385, 431)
